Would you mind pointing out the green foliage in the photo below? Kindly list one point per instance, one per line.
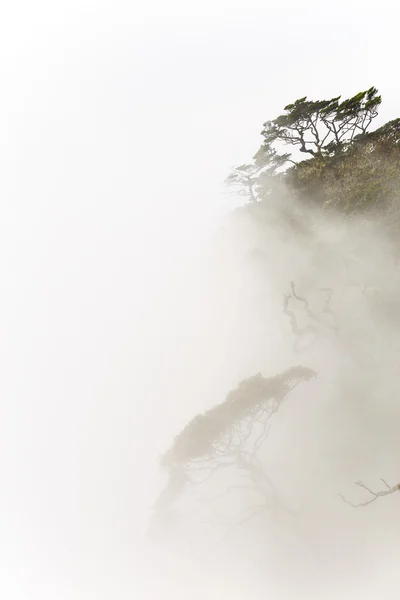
(349, 168)
(366, 175)
(321, 127)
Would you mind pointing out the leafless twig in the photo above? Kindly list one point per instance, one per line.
(375, 495)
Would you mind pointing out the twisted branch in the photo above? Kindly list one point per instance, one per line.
(375, 495)
(301, 332)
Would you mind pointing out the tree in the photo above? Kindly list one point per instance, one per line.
(254, 179)
(219, 452)
(245, 179)
(318, 323)
(322, 127)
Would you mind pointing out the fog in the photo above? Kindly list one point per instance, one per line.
(130, 303)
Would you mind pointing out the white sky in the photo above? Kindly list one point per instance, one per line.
(118, 123)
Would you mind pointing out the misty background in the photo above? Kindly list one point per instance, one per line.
(119, 321)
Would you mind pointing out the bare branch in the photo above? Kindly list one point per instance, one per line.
(375, 495)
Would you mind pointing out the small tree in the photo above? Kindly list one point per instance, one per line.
(246, 181)
(254, 179)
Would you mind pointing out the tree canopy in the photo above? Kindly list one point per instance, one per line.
(321, 127)
(348, 167)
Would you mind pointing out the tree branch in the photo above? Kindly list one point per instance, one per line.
(375, 495)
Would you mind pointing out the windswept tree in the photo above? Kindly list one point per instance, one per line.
(217, 457)
(245, 180)
(253, 179)
(319, 129)
(322, 127)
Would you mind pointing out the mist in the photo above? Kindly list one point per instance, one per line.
(132, 300)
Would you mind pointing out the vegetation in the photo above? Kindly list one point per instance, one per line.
(349, 167)
(227, 438)
(349, 170)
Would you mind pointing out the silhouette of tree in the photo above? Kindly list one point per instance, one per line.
(219, 451)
